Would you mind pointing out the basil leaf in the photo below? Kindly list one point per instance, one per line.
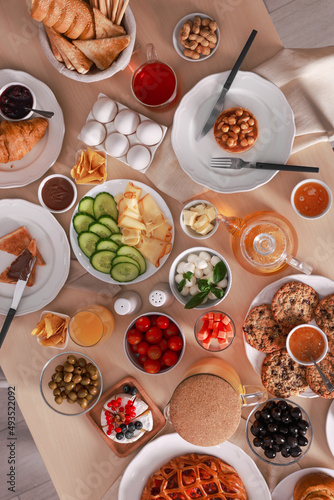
(219, 272)
(218, 292)
(203, 285)
(196, 300)
(181, 285)
(188, 275)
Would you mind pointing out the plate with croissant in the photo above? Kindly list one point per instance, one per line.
(29, 147)
(306, 484)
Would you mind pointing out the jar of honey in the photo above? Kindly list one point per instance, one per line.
(311, 199)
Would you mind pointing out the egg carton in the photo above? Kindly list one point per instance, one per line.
(132, 137)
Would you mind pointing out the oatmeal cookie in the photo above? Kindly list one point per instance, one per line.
(324, 315)
(282, 376)
(331, 344)
(315, 381)
(294, 303)
(262, 330)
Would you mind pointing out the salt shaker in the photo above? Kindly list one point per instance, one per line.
(128, 302)
(161, 295)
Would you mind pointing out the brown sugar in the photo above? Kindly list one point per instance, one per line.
(205, 410)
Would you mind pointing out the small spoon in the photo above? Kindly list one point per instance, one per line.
(46, 114)
(326, 381)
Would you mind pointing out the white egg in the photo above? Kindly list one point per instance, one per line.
(215, 260)
(198, 273)
(149, 133)
(189, 267)
(138, 157)
(178, 278)
(200, 263)
(193, 290)
(222, 283)
(211, 296)
(207, 270)
(93, 133)
(190, 282)
(116, 145)
(192, 257)
(180, 267)
(126, 122)
(185, 291)
(104, 110)
(205, 255)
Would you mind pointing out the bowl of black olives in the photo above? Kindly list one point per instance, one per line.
(279, 432)
(71, 383)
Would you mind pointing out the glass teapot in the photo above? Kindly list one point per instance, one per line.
(264, 242)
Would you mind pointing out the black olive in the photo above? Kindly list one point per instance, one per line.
(302, 441)
(292, 441)
(296, 413)
(263, 432)
(303, 424)
(296, 451)
(272, 427)
(283, 429)
(269, 405)
(276, 413)
(286, 446)
(257, 442)
(257, 415)
(282, 405)
(285, 453)
(277, 447)
(279, 439)
(265, 415)
(270, 453)
(254, 430)
(293, 429)
(268, 441)
(286, 418)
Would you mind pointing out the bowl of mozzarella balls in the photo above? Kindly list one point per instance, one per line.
(193, 271)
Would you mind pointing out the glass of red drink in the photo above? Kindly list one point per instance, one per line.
(154, 83)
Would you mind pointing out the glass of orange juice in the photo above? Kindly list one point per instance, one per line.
(91, 325)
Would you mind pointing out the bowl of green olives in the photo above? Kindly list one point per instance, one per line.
(279, 432)
(71, 383)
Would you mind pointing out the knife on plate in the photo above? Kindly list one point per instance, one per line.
(219, 104)
(19, 289)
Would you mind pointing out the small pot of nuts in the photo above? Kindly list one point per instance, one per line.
(236, 130)
(196, 37)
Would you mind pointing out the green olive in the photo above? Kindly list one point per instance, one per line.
(70, 401)
(61, 383)
(53, 376)
(82, 393)
(76, 378)
(72, 396)
(68, 367)
(71, 359)
(77, 370)
(78, 387)
(59, 400)
(94, 376)
(83, 403)
(85, 381)
(52, 384)
(82, 362)
(89, 397)
(95, 382)
(92, 390)
(56, 392)
(69, 386)
(58, 377)
(63, 394)
(68, 377)
(59, 368)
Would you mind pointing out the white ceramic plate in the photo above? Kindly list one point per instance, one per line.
(161, 450)
(323, 286)
(114, 187)
(51, 242)
(284, 489)
(43, 155)
(330, 428)
(274, 143)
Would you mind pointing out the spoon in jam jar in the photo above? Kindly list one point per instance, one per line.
(46, 114)
(326, 381)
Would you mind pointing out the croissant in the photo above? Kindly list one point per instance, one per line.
(18, 138)
(315, 486)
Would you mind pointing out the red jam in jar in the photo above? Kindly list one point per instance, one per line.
(311, 199)
(13, 101)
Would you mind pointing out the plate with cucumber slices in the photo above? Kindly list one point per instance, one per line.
(96, 238)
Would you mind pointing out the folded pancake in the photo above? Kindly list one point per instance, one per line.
(17, 241)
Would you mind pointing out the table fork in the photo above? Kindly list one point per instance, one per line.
(238, 163)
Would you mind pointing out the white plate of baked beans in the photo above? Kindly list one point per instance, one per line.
(276, 131)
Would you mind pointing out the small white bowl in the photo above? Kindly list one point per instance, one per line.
(174, 286)
(309, 363)
(330, 199)
(191, 232)
(75, 193)
(30, 113)
(177, 45)
(64, 316)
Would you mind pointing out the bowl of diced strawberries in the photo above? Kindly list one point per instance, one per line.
(214, 331)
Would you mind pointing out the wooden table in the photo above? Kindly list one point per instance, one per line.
(79, 462)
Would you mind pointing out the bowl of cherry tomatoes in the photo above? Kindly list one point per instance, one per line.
(154, 343)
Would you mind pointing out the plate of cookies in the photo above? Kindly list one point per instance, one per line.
(277, 309)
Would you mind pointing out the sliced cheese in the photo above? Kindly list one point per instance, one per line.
(189, 217)
(211, 213)
(130, 222)
(163, 232)
(205, 230)
(152, 249)
(200, 209)
(130, 237)
(201, 221)
(132, 190)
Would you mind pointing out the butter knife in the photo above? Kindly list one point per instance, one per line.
(19, 289)
(219, 104)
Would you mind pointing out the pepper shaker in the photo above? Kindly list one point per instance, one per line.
(161, 295)
(128, 302)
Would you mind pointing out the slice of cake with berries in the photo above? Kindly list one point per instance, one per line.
(125, 417)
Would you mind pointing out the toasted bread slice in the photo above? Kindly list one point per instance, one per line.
(39, 9)
(54, 13)
(69, 52)
(105, 28)
(89, 32)
(54, 49)
(17, 241)
(4, 278)
(104, 51)
(78, 15)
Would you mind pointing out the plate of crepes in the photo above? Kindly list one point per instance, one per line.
(279, 307)
(122, 231)
(169, 467)
(90, 168)
(52, 330)
(259, 115)
(22, 222)
(29, 147)
(85, 41)
(313, 483)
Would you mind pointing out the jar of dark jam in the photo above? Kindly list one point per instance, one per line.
(14, 99)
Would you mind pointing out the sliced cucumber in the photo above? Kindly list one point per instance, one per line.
(134, 254)
(87, 242)
(81, 222)
(124, 272)
(86, 205)
(117, 238)
(109, 222)
(99, 229)
(104, 203)
(124, 258)
(106, 244)
(101, 260)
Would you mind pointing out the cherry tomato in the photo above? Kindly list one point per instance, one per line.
(133, 348)
(169, 358)
(153, 335)
(163, 344)
(162, 322)
(171, 330)
(154, 352)
(175, 343)
(152, 365)
(143, 324)
(153, 320)
(142, 348)
(142, 358)
(134, 337)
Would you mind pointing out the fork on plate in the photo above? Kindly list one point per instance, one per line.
(238, 163)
